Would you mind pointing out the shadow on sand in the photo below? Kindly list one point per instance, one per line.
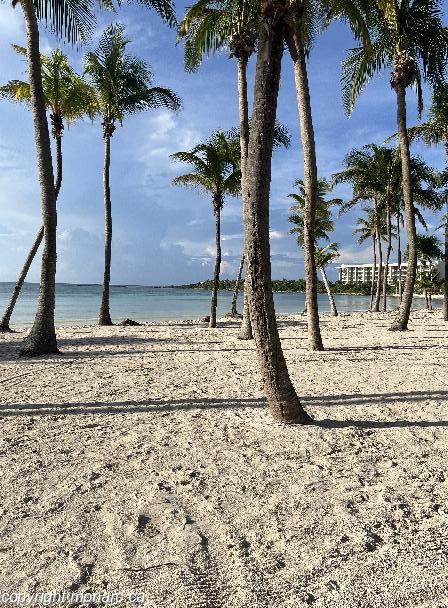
(160, 406)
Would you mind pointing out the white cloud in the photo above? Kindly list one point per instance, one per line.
(355, 255)
(276, 235)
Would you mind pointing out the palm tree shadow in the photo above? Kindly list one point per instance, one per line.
(159, 406)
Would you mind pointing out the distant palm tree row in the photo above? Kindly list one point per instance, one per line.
(407, 37)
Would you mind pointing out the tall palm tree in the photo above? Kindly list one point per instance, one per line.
(433, 132)
(209, 26)
(215, 172)
(123, 86)
(67, 98)
(323, 226)
(282, 398)
(74, 20)
(305, 19)
(324, 256)
(409, 36)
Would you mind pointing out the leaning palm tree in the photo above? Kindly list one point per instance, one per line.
(323, 256)
(215, 172)
(67, 98)
(409, 36)
(122, 84)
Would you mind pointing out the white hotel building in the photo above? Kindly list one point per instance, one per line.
(362, 273)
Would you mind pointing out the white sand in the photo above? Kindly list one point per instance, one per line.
(144, 459)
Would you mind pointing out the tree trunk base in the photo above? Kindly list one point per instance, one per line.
(105, 320)
(37, 350)
(288, 413)
(5, 329)
(398, 325)
(245, 334)
(316, 347)
(212, 324)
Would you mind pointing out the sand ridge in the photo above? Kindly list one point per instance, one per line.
(143, 458)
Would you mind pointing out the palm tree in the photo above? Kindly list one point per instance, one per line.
(215, 172)
(74, 21)
(323, 256)
(305, 19)
(234, 309)
(434, 132)
(282, 398)
(370, 170)
(232, 25)
(428, 251)
(373, 227)
(375, 173)
(408, 36)
(67, 98)
(123, 86)
(323, 225)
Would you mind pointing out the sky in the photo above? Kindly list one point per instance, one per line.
(164, 235)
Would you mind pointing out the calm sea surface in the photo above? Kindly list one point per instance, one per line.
(76, 304)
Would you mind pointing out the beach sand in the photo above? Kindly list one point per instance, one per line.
(144, 459)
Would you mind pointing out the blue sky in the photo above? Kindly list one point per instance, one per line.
(163, 234)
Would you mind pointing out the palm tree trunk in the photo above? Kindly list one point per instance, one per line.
(214, 303)
(297, 52)
(42, 337)
(376, 307)
(334, 310)
(104, 317)
(425, 293)
(388, 252)
(400, 285)
(372, 289)
(245, 332)
(401, 323)
(234, 311)
(281, 395)
(4, 323)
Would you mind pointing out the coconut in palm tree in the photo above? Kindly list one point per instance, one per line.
(122, 85)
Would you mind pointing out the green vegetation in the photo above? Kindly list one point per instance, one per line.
(290, 285)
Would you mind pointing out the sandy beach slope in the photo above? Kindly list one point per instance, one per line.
(144, 459)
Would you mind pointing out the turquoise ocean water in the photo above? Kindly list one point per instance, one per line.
(79, 304)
